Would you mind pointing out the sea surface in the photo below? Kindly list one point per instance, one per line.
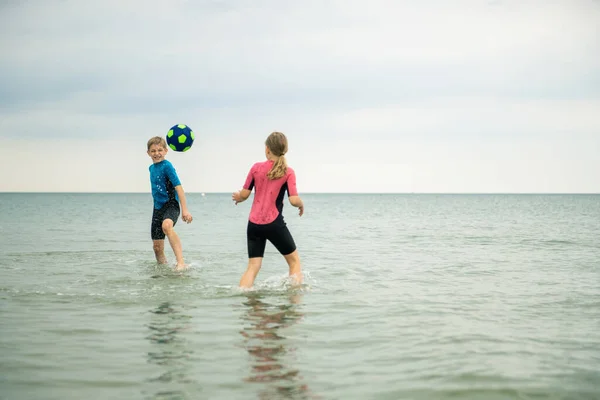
(407, 296)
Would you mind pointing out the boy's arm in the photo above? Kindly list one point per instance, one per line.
(185, 214)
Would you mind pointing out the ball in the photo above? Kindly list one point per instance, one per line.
(180, 138)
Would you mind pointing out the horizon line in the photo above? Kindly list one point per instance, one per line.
(336, 193)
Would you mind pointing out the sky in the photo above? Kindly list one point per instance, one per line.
(388, 96)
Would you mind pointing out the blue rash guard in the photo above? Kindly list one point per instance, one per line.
(163, 180)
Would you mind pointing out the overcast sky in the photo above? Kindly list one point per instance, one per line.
(374, 96)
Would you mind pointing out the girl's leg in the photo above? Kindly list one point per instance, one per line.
(254, 265)
(283, 241)
(256, 250)
(293, 260)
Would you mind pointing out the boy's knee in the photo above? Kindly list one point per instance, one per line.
(167, 226)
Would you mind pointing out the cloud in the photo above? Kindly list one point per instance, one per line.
(435, 77)
(123, 55)
(466, 118)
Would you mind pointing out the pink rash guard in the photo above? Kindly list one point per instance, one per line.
(268, 194)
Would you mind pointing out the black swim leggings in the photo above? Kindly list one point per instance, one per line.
(276, 232)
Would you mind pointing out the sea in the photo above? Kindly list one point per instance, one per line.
(406, 296)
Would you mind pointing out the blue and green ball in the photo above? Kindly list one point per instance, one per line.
(180, 138)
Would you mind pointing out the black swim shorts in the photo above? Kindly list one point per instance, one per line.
(169, 211)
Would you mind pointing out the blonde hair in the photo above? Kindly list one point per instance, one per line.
(157, 140)
(278, 144)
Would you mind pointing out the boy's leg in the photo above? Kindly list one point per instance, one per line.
(159, 251)
(157, 235)
(293, 260)
(174, 241)
(254, 265)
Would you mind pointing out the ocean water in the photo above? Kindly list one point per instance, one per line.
(415, 296)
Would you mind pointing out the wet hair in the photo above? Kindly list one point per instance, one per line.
(157, 140)
(278, 144)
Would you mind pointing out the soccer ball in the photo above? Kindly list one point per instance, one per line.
(180, 138)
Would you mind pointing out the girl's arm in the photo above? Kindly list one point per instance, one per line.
(241, 195)
(296, 201)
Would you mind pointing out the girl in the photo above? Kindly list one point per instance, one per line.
(270, 180)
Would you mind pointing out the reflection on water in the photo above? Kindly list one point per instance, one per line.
(171, 351)
(270, 350)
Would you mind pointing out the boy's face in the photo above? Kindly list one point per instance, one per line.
(157, 153)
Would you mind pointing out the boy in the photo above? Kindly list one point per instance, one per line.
(167, 193)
